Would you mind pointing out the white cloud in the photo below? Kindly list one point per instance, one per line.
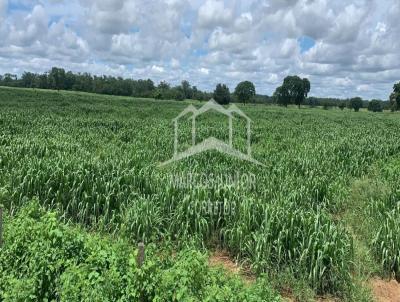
(204, 70)
(363, 87)
(346, 82)
(3, 8)
(214, 13)
(175, 63)
(156, 68)
(356, 44)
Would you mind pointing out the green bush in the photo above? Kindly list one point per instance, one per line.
(44, 259)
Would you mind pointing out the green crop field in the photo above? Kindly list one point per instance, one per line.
(81, 185)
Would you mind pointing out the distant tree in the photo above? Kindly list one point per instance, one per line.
(306, 90)
(312, 101)
(158, 94)
(42, 81)
(245, 91)
(342, 105)
(69, 80)
(10, 79)
(265, 99)
(85, 82)
(326, 105)
(395, 97)
(195, 93)
(281, 96)
(375, 106)
(57, 78)
(28, 80)
(222, 94)
(143, 88)
(164, 85)
(293, 90)
(162, 91)
(186, 89)
(178, 93)
(356, 103)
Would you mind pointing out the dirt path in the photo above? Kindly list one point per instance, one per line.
(385, 291)
(222, 258)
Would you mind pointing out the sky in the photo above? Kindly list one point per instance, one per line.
(345, 48)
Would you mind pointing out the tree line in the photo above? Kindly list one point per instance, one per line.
(294, 90)
(59, 79)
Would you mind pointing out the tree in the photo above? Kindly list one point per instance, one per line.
(143, 88)
(375, 106)
(326, 105)
(178, 93)
(162, 91)
(312, 101)
(164, 85)
(28, 79)
(42, 81)
(342, 105)
(9, 79)
(222, 94)
(293, 90)
(69, 80)
(57, 78)
(186, 89)
(396, 88)
(395, 97)
(307, 88)
(281, 96)
(356, 103)
(245, 91)
(195, 93)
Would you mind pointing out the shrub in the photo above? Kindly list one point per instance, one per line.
(375, 106)
(44, 259)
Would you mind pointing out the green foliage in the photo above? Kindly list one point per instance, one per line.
(294, 90)
(245, 91)
(375, 106)
(186, 90)
(375, 219)
(387, 240)
(94, 159)
(286, 235)
(56, 78)
(59, 79)
(356, 103)
(385, 216)
(395, 97)
(44, 259)
(222, 94)
(179, 94)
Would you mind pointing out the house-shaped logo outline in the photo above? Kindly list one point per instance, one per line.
(211, 143)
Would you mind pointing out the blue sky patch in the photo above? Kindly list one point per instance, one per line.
(305, 43)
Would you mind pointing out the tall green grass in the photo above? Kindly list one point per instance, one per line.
(94, 159)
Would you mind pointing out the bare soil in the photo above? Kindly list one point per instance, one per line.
(222, 258)
(385, 291)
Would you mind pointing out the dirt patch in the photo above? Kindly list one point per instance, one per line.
(288, 298)
(326, 299)
(222, 258)
(386, 291)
